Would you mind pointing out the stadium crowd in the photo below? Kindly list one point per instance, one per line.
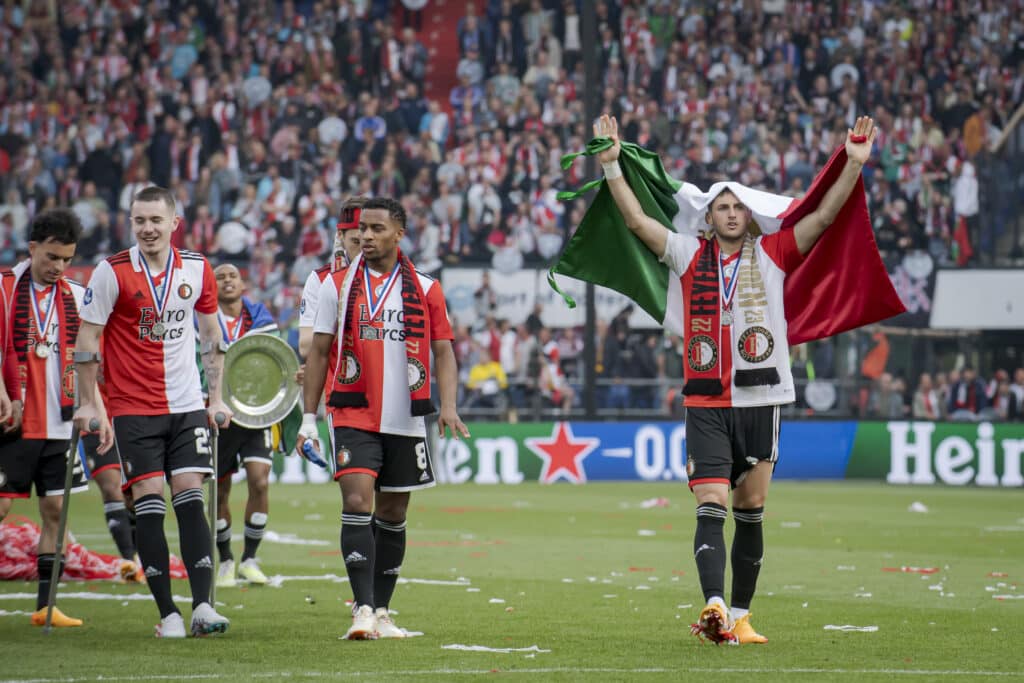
(263, 117)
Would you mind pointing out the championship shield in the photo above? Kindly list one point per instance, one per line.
(259, 380)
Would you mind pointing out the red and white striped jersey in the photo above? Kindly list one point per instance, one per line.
(44, 381)
(149, 361)
(777, 255)
(384, 363)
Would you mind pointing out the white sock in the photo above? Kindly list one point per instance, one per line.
(717, 601)
(738, 613)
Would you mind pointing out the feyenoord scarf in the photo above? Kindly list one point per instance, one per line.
(349, 385)
(713, 303)
(27, 331)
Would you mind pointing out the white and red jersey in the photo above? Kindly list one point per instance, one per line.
(310, 292)
(384, 363)
(44, 380)
(149, 359)
(777, 255)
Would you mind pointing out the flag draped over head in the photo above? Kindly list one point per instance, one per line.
(842, 283)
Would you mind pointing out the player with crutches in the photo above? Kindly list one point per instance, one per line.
(40, 323)
(142, 302)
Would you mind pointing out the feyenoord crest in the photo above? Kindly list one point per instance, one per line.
(417, 374)
(702, 353)
(184, 290)
(352, 369)
(756, 344)
(42, 351)
(344, 457)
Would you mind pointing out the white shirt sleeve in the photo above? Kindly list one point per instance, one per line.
(308, 302)
(100, 296)
(679, 252)
(327, 308)
(77, 291)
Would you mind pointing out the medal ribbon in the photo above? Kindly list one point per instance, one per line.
(375, 306)
(728, 290)
(43, 322)
(160, 301)
(226, 330)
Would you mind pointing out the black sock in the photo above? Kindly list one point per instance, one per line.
(120, 527)
(357, 548)
(389, 538)
(224, 540)
(44, 565)
(747, 552)
(149, 519)
(709, 549)
(194, 535)
(254, 528)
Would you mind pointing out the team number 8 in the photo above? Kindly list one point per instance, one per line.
(421, 455)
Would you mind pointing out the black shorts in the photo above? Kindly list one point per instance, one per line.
(399, 463)
(722, 444)
(241, 445)
(42, 462)
(159, 445)
(98, 462)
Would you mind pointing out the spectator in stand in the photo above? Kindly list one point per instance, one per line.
(554, 387)
(487, 384)
(967, 396)
(927, 405)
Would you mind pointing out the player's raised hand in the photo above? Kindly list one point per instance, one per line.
(450, 418)
(860, 139)
(608, 127)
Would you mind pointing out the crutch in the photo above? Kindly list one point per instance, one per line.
(69, 474)
(211, 506)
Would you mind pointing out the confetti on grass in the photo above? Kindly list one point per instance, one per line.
(484, 648)
(851, 627)
(912, 570)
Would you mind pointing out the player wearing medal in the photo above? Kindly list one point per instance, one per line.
(385, 319)
(733, 398)
(239, 316)
(142, 302)
(40, 327)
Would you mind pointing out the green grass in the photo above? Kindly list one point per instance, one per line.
(571, 565)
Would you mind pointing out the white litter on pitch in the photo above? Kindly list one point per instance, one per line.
(851, 627)
(291, 539)
(484, 648)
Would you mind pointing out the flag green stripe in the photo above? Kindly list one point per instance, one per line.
(604, 251)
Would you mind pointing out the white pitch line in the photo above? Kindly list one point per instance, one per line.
(949, 673)
(277, 580)
(88, 595)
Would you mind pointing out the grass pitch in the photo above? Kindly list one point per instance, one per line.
(604, 587)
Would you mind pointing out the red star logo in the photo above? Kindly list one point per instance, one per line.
(562, 454)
